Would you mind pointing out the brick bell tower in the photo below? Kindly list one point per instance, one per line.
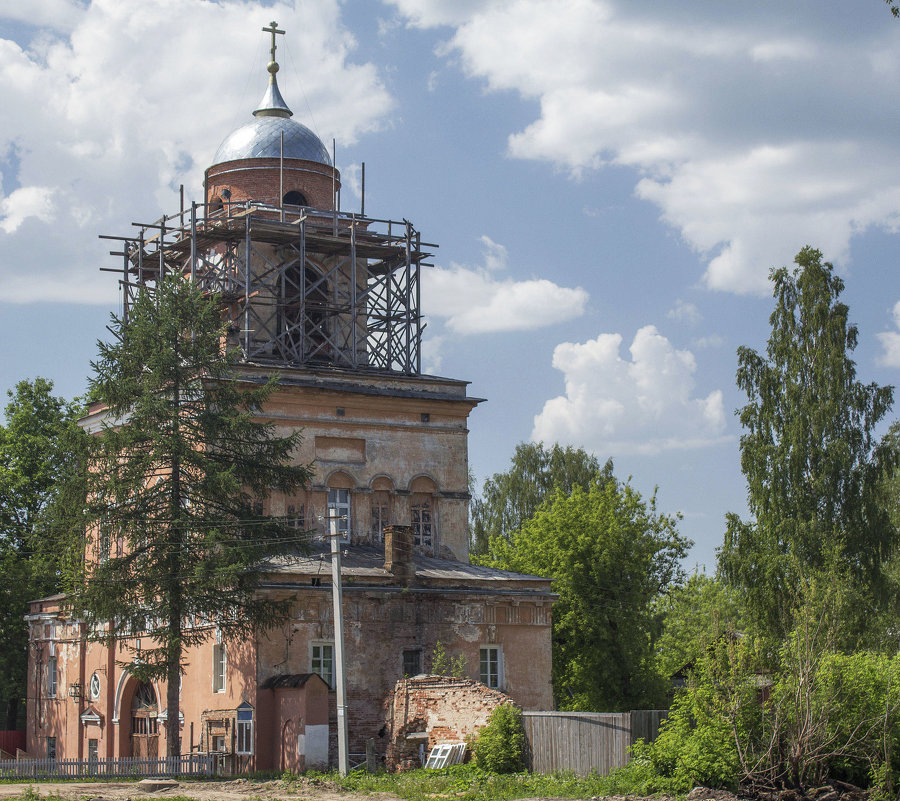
(273, 158)
(329, 301)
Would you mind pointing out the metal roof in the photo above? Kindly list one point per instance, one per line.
(368, 561)
(261, 139)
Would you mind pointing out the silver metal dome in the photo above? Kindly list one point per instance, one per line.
(261, 139)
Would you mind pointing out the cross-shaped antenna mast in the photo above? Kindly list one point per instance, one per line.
(273, 29)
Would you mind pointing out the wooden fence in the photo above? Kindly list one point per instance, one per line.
(587, 741)
(121, 767)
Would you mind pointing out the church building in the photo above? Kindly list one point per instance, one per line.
(329, 301)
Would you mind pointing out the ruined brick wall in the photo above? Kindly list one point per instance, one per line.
(443, 708)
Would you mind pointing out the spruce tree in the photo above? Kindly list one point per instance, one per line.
(809, 452)
(177, 471)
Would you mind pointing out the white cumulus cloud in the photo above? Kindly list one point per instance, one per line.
(476, 300)
(890, 342)
(114, 103)
(754, 132)
(25, 202)
(685, 312)
(614, 405)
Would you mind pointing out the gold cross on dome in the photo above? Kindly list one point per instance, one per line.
(273, 29)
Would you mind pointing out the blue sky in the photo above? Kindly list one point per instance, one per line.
(609, 183)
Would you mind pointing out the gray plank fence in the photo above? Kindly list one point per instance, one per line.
(120, 767)
(587, 741)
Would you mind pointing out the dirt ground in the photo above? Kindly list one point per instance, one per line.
(234, 790)
(245, 790)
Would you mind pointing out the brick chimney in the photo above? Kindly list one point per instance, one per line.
(398, 552)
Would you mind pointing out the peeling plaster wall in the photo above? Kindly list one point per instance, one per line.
(379, 626)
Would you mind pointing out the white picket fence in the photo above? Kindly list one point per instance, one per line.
(120, 767)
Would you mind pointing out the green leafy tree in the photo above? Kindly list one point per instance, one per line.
(812, 462)
(501, 744)
(610, 554)
(509, 499)
(693, 616)
(176, 471)
(35, 464)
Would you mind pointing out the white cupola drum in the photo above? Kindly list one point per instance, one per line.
(303, 283)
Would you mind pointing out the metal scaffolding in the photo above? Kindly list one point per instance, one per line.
(305, 287)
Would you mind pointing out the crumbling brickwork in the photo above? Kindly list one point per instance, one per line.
(431, 710)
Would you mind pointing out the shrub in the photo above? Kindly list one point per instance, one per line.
(501, 743)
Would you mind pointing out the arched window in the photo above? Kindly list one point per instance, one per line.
(294, 198)
(144, 721)
(422, 511)
(339, 519)
(381, 507)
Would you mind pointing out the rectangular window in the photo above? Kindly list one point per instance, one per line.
(51, 748)
(51, 677)
(218, 669)
(323, 661)
(381, 514)
(296, 517)
(93, 753)
(423, 523)
(491, 667)
(412, 662)
(104, 543)
(244, 730)
(339, 512)
(218, 743)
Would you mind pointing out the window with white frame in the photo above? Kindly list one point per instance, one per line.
(322, 661)
(218, 667)
(244, 729)
(491, 666)
(51, 677)
(421, 514)
(339, 512)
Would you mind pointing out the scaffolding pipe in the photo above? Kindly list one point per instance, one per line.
(193, 241)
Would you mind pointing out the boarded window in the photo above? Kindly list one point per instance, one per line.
(412, 662)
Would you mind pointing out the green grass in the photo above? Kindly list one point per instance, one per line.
(469, 783)
(459, 783)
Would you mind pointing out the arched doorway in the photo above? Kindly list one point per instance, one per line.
(144, 722)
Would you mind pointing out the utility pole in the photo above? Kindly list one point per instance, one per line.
(340, 679)
(340, 676)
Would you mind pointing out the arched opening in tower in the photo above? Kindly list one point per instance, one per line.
(294, 198)
(305, 321)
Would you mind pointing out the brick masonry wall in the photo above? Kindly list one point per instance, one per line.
(446, 709)
(259, 179)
